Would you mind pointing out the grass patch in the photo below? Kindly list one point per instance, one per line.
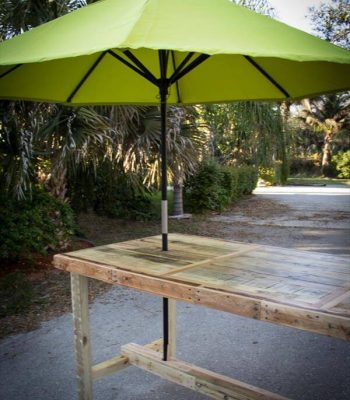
(317, 181)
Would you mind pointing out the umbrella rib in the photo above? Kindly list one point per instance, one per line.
(10, 70)
(86, 76)
(175, 69)
(199, 60)
(267, 76)
(139, 64)
(182, 64)
(150, 77)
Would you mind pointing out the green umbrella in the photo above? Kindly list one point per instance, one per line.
(168, 51)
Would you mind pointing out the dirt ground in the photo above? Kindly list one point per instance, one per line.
(309, 218)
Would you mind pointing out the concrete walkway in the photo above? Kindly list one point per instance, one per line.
(39, 365)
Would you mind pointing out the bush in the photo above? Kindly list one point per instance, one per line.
(310, 166)
(275, 175)
(112, 193)
(206, 189)
(267, 174)
(34, 226)
(215, 187)
(248, 179)
(342, 164)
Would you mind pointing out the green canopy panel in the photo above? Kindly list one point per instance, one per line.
(72, 59)
(220, 78)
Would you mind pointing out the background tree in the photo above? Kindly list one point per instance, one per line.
(260, 6)
(329, 114)
(331, 21)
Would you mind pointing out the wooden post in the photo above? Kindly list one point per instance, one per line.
(80, 305)
(172, 328)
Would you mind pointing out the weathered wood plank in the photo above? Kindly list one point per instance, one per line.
(245, 305)
(119, 258)
(224, 301)
(308, 320)
(273, 266)
(261, 286)
(338, 301)
(209, 261)
(118, 363)
(211, 384)
(80, 305)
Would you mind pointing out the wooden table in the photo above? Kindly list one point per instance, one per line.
(304, 290)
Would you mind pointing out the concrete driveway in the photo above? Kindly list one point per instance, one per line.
(40, 364)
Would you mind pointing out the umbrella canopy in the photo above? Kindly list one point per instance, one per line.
(76, 58)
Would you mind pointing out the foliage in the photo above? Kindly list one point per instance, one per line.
(331, 21)
(329, 116)
(204, 190)
(275, 174)
(16, 294)
(35, 225)
(260, 6)
(246, 132)
(17, 16)
(215, 187)
(305, 166)
(342, 162)
(248, 179)
(267, 174)
(111, 192)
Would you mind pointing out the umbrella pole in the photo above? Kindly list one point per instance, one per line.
(163, 92)
(164, 189)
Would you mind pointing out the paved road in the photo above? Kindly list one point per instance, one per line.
(40, 364)
(305, 218)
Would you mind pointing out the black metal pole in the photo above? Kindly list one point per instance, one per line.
(164, 180)
(163, 92)
(164, 184)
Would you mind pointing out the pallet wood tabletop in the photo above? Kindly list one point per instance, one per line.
(305, 290)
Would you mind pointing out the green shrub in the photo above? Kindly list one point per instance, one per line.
(309, 166)
(215, 187)
(205, 190)
(112, 193)
(274, 175)
(342, 163)
(33, 226)
(248, 179)
(16, 294)
(268, 175)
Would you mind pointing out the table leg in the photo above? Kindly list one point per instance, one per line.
(172, 328)
(80, 305)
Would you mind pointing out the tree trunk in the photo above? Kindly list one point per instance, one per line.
(57, 184)
(285, 110)
(178, 208)
(327, 154)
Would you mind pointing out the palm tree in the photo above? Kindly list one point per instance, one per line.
(328, 115)
(137, 145)
(17, 16)
(20, 119)
(62, 139)
(70, 139)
